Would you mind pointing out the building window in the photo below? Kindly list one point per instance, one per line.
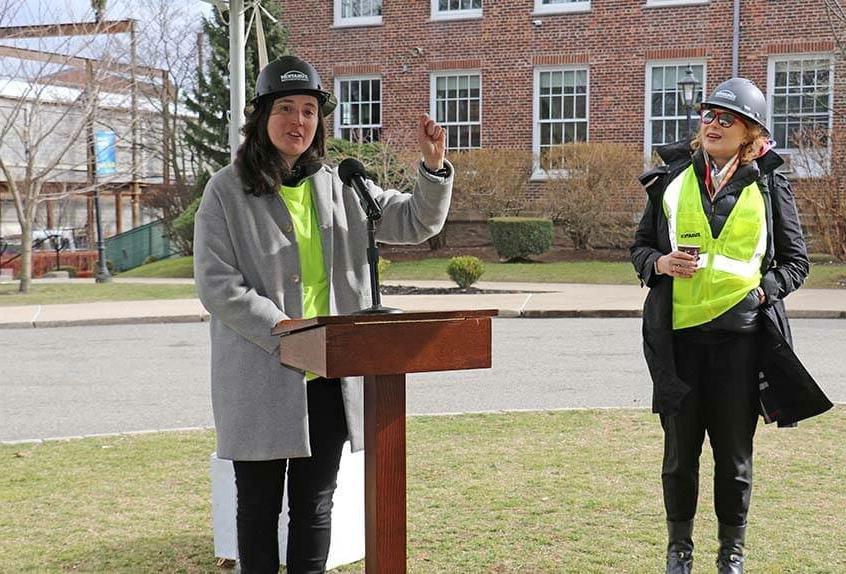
(560, 110)
(358, 12)
(666, 116)
(359, 114)
(456, 104)
(448, 9)
(556, 6)
(800, 100)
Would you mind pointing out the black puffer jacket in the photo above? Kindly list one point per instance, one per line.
(784, 267)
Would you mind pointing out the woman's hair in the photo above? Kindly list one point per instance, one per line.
(755, 141)
(259, 164)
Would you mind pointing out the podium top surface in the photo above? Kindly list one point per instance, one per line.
(294, 325)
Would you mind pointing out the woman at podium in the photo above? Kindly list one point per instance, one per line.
(279, 236)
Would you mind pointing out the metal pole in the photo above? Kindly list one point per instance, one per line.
(735, 40)
(689, 124)
(237, 75)
(102, 275)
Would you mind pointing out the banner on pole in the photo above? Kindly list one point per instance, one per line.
(104, 145)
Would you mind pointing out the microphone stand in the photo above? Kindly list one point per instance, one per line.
(373, 260)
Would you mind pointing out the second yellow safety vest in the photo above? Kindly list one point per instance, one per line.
(729, 265)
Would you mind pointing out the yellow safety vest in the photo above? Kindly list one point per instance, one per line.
(729, 266)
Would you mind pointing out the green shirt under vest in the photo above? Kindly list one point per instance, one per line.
(310, 247)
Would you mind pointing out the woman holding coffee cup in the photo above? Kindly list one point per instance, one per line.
(720, 246)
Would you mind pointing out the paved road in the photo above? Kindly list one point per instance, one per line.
(87, 380)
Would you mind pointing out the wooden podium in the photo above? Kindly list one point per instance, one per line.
(383, 348)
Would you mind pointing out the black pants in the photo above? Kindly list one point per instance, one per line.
(724, 402)
(311, 484)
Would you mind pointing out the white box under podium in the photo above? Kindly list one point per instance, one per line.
(347, 543)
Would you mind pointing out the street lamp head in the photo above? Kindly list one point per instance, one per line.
(687, 87)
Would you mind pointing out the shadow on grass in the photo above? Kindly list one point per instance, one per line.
(168, 553)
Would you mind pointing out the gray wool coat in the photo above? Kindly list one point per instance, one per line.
(246, 268)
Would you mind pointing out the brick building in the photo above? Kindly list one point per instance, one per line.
(529, 74)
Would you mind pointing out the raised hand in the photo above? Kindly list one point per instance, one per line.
(432, 140)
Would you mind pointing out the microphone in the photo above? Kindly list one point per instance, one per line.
(351, 171)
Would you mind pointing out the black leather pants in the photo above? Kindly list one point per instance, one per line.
(721, 370)
(311, 485)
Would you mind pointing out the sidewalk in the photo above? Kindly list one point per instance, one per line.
(540, 300)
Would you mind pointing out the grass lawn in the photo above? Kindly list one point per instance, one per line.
(823, 276)
(173, 267)
(548, 492)
(54, 293)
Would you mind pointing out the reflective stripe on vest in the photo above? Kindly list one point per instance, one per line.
(729, 266)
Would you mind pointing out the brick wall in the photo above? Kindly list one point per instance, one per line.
(615, 41)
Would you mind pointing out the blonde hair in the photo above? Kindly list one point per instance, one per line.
(755, 141)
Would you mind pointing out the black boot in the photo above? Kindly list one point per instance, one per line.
(730, 556)
(680, 547)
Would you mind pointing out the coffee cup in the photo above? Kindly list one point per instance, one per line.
(690, 250)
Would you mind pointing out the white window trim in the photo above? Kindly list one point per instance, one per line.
(667, 3)
(437, 14)
(340, 22)
(337, 86)
(538, 173)
(795, 168)
(433, 76)
(647, 100)
(582, 6)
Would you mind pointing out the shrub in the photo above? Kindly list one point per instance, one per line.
(386, 165)
(580, 194)
(515, 238)
(491, 182)
(465, 270)
(382, 266)
(183, 226)
(171, 200)
(822, 190)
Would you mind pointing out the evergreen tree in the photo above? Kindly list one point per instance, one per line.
(208, 133)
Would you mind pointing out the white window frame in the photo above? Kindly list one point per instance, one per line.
(538, 173)
(341, 22)
(791, 166)
(459, 14)
(647, 97)
(433, 79)
(338, 111)
(567, 7)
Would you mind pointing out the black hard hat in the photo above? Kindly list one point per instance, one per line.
(741, 96)
(293, 75)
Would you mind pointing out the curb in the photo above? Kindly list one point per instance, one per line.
(106, 321)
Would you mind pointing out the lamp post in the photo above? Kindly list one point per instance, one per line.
(687, 89)
(102, 274)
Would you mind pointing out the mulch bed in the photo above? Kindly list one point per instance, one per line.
(488, 253)
(410, 290)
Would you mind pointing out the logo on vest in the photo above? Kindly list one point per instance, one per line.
(293, 76)
(690, 234)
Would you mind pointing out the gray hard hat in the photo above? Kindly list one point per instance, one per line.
(741, 96)
(293, 75)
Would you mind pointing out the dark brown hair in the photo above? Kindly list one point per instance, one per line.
(259, 164)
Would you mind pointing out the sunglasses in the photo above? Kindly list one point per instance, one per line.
(725, 119)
